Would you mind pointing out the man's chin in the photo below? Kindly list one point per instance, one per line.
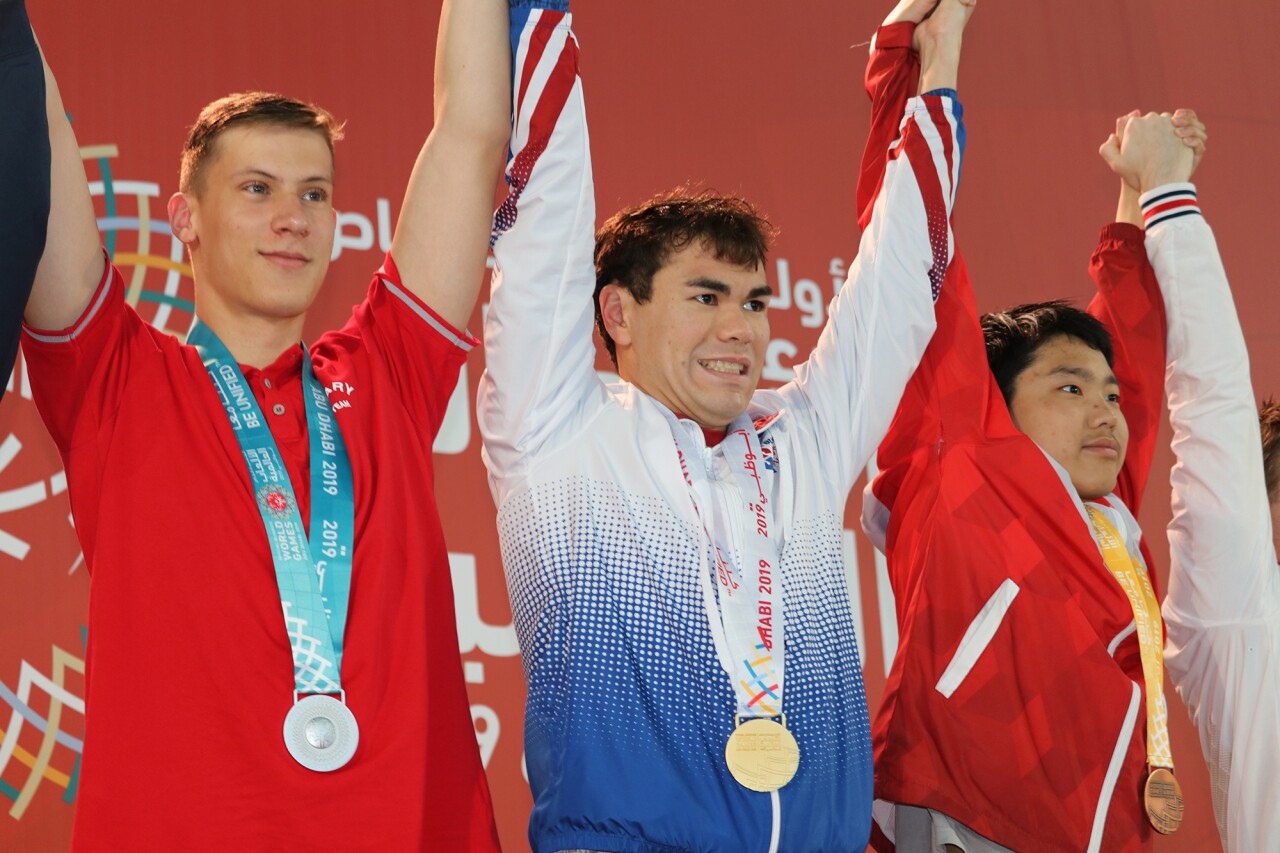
(1094, 490)
(292, 300)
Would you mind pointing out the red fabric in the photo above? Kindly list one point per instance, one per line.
(711, 436)
(1019, 751)
(189, 670)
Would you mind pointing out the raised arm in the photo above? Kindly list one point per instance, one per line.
(1128, 303)
(882, 319)
(1223, 574)
(1224, 588)
(892, 77)
(439, 245)
(540, 378)
(1129, 300)
(24, 172)
(1223, 603)
(72, 264)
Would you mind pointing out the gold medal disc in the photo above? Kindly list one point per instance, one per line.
(762, 755)
(1163, 799)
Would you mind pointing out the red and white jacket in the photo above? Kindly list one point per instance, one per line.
(1014, 704)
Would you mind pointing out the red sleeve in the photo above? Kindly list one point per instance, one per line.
(1130, 304)
(893, 74)
(951, 391)
(78, 374)
(418, 352)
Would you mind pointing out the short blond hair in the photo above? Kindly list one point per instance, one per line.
(243, 109)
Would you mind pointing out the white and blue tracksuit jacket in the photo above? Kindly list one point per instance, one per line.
(628, 708)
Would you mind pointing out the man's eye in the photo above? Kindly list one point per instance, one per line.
(757, 305)
(255, 187)
(705, 298)
(315, 195)
(1070, 389)
(1113, 398)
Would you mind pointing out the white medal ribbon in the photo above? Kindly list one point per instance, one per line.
(742, 592)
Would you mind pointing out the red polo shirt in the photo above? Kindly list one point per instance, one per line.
(189, 670)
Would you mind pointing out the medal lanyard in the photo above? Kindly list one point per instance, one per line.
(747, 626)
(1146, 613)
(314, 576)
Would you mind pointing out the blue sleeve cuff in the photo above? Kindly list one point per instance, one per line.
(957, 108)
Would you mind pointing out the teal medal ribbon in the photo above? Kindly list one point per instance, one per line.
(313, 574)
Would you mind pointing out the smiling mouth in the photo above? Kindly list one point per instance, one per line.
(287, 259)
(732, 368)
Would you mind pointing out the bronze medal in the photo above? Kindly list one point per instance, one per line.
(762, 755)
(1163, 799)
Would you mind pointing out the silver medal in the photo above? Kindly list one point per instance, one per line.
(321, 733)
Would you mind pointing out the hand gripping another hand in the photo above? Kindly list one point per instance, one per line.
(1149, 150)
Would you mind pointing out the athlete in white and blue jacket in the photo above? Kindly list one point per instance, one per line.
(611, 507)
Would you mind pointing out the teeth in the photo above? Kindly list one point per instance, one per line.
(724, 367)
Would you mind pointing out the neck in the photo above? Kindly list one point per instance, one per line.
(713, 435)
(627, 375)
(252, 340)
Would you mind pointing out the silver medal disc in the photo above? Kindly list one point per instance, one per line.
(321, 733)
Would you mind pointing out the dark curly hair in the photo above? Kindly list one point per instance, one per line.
(634, 244)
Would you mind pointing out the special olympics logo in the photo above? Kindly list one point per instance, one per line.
(273, 499)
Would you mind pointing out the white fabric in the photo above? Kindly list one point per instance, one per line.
(920, 830)
(977, 637)
(1222, 610)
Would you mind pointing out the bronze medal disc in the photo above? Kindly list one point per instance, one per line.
(1163, 799)
(762, 755)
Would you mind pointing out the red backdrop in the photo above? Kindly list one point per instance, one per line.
(756, 98)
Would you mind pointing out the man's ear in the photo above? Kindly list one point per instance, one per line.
(180, 218)
(616, 303)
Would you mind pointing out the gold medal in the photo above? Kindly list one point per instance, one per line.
(1163, 799)
(762, 755)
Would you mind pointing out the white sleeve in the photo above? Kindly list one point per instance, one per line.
(1222, 609)
(540, 382)
(882, 319)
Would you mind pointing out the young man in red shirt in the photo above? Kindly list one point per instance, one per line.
(218, 483)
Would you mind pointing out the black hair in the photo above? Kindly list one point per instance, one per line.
(1014, 336)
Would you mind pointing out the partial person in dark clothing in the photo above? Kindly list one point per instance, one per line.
(24, 172)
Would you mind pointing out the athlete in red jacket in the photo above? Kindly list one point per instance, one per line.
(1014, 714)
